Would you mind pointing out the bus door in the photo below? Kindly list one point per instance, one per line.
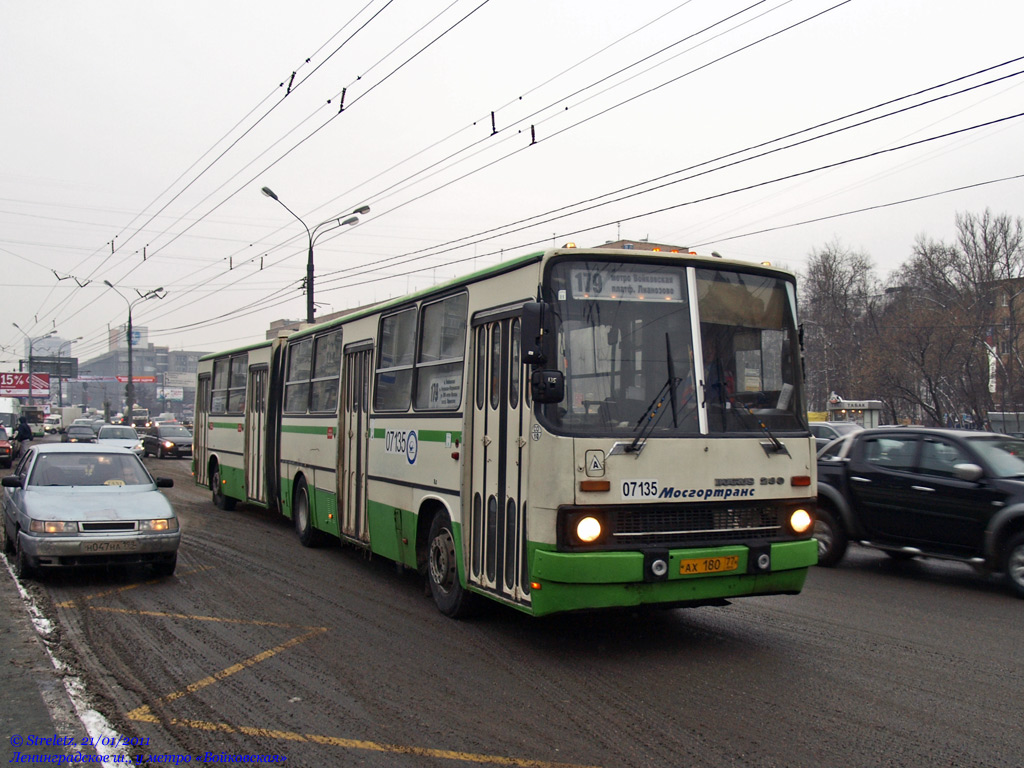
(256, 434)
(497, 450)
(355, 435)
(201, 431)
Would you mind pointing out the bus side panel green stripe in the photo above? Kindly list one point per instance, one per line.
(427, 435)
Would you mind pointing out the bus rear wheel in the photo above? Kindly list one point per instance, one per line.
(451, 597)
(303, 519)
(217, 487)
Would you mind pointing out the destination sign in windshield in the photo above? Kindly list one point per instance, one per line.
(625, 285)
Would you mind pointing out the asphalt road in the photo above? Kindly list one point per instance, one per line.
(258, 646)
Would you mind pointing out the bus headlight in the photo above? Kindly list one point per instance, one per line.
(588, 529)
(800, 521)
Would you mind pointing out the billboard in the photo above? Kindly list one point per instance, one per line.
(176, 394)
(17, 385)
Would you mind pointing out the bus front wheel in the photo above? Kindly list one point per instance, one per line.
(442, 570)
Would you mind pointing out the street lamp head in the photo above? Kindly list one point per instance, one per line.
(108, 283)
(350, 220)
(269, 193)
(362, 210)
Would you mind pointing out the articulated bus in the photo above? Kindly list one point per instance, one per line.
(571, 430)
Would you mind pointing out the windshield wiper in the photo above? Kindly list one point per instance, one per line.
(774, 445)
(654, 412)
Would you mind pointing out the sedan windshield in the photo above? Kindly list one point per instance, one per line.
(1004, 455)
(67, 469)
(174, 432)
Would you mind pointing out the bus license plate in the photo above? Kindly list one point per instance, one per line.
(110, 546)
(709, 565)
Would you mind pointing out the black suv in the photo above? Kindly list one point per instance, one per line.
(167, 440)
(919, 492)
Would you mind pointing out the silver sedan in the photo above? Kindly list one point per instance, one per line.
(77, 504)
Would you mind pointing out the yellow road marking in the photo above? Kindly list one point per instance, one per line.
(144, 714)
(116, 590)
(245, 664)
(165, 615)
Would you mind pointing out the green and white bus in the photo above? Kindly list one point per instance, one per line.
(570, 430)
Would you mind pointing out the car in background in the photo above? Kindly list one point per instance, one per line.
(168, 440)
(69, 505)
(51, 425)
(120, 436)
(826, 431)
(6, 449)
(917, 492)
(84, 422)
(81, 433)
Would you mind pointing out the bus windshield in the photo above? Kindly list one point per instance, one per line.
(639, 357)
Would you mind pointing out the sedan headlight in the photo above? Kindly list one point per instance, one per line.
(52, 526)
(168, 444)
(163, 525)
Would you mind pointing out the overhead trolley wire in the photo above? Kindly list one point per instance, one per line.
(292, 87)
(591, 203)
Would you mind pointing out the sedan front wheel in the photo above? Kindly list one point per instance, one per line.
(23, 567)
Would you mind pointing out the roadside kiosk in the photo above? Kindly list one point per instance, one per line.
(867, 413)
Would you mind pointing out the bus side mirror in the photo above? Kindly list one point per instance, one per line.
(538, 333)
(547, 386)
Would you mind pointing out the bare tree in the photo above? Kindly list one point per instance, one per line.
(835, 294)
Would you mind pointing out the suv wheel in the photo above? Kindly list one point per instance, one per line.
(1013, 564)
(831, 536)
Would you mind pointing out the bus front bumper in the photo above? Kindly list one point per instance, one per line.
(573, 581)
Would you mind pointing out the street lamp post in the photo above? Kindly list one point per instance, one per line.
(130, 389)
(319, 229)
(60, 375)
(31, 342)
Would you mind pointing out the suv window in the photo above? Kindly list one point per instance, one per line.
(891, 452)
(938, 457)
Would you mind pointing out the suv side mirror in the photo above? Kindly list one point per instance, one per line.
(968, 472)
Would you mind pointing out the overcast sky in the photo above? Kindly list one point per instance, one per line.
(135, 129)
